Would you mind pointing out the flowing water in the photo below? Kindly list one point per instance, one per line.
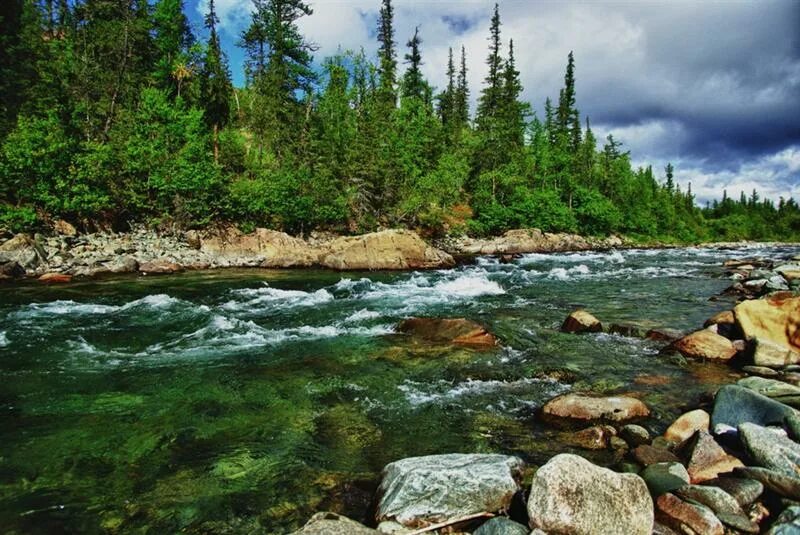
(244, 401)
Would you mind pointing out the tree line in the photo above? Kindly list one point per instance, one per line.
(114, 112)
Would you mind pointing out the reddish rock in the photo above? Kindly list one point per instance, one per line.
(55, 278)
(581, 321)
(592, 438)
(452, 330)
(705, 344)
(707, 459)
(681, 515)
(687, 425)
(663, 335)
(584, 407)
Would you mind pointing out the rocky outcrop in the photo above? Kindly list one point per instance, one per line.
(420, 491)
(389, 250)
(22, 250)
(451, 331)
(772, 325)
(589, 408)
(262, 247)
(705, 344)
(581, 321)
(521, 241)
(571, 495)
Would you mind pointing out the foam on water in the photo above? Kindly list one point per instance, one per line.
(564, 274)
(4, 339)
(417, 394)
(253, 298)
(61, 308)
(362, 315)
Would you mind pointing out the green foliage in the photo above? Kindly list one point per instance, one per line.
(17, 219)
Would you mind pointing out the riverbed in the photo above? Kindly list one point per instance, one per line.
(243, 400)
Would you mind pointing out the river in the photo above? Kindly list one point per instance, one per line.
(244, 400)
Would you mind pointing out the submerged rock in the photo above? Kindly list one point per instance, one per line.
(571, 495)
(705, 344)
(584, 407)
(333, 524)
(687, 425)
(390, 249)
(420, 491)
(455, 331)
(581, 321)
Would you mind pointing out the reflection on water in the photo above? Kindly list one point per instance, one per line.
(246, 400)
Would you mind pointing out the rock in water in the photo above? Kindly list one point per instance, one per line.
(772, 388)
(501, 526)
(571, 495)
(634, 435)
(390, 249)
(581, 321)
(452, 331)
(681, 515)
(159, 267)
(687, 425)
(774, 325)
(55, 278)
(770, 449)
(420, 491)
(705, 344)
(723, 504)
(333, 524)
(583, 407)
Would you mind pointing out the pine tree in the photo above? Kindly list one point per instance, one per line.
(669, 170)
(387, 69)
(413, 83)
(512, 112)
(568, 116)
(215, 81)
(447, 99)
(461, 104)
(254, 41)
(490, 96)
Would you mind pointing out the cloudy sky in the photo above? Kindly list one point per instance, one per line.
(713, 87)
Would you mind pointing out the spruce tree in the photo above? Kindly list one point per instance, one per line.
(447, 99)
(512, 111)
(490, 95)
(387, 68)
(669, 170)
(215, 82)
(461, 103)
(568, 124)
(413, 83)
(254, 41)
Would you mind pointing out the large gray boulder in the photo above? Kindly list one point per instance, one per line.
(571, 495)
(735, 405)
(772, 388)
(770, 449)
(420, 491)
(501, 525)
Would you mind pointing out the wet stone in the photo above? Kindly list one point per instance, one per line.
(501, 525)
(681, 515)
(665, 477)
(634, 435)
(647, 455)
(744, 491)
(777, 482)
(771, 449)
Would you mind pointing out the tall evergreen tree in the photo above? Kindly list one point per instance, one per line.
(461, 103)
(513, 112)
(215, 80)
(387, 57)
(413, 83)
(490, 95)
(447, 99)
(254, 42)
(568, 116)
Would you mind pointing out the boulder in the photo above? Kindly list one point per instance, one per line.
(665, 477)
(790, 272)
(686, 516)
(501, 525)
(453, 331)
(589, 408)
(725, 317)
(744, 491)
(64, 228)
(627, 329)
(581, 321)
(571, 495)
(706, 459)
(11, 270)
(724, 506)
(687, 425)
(23, 250)
(159, 267)
(772, 388)
(55, 278)
(705, 344)
(773, 323)
(735, 405)
(647, 455)
(123, 264)
(389, 249)
(268, 248)
(663, 335)
(779, 483)
(770, 449)
(634, 435)
(333, 524)
(420, 491)
(787, 523)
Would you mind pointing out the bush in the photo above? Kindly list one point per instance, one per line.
(595, 213)
(18, 219)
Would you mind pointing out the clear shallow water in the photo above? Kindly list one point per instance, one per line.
(238, 401)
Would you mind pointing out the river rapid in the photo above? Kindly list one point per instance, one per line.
(243, 401)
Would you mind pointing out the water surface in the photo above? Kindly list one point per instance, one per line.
(244, 401)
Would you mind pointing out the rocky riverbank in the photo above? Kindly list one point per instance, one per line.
(64, 254)
(731, 465)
